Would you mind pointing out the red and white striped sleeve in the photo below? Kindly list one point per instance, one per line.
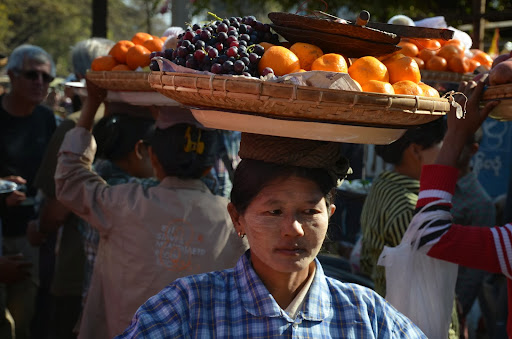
(483, 248)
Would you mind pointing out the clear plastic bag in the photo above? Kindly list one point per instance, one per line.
(420, 287)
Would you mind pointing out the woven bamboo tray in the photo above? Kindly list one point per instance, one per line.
(287, 101)
(120, 80)
(503, 111)
(498, 92)
(438, 76)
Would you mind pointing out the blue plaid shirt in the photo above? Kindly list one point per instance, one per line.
(234, 303)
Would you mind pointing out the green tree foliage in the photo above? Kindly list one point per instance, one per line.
(57, 25)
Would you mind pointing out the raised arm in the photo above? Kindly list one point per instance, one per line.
(95, 96)
(77, 187)
(477, 247)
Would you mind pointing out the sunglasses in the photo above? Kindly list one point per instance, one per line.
(34, 75)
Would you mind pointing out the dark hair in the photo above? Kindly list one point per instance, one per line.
(184, 150)
(426, 135)
(251, 176)
(117, 134)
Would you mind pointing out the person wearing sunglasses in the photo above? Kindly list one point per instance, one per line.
(26, 127)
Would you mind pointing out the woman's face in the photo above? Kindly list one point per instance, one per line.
(285, 225)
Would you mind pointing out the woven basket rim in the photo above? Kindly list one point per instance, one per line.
(497, 92)
(155, 84)
(120, 80)
(286, 100)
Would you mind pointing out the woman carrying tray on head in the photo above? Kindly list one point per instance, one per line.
(281, 200)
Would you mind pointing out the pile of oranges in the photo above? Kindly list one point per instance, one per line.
(300, 57)
(442, 55)
(392, 74)
(128, 55)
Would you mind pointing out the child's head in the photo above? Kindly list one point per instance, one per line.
(184, 151)
(425, 136)
(118, 134)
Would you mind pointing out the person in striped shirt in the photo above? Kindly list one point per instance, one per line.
(281, 200)
(482, 248)
(389, 206)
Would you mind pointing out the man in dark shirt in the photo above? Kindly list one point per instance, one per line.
(25, 129)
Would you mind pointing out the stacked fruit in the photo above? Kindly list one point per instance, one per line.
(228, 46)
(128, 55)
(392, 74)
(441, 55)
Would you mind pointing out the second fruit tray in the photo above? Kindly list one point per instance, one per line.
(120, 80)
(503, 93)
(128, 87)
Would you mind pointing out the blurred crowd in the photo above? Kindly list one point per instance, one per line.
(99, 182)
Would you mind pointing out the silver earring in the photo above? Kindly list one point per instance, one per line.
(241, 235)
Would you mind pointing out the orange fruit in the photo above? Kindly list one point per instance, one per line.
(425, 54)
(306, 53)
(118, 51)
(265, 45)
(448, 51)
(378, 87)
(442, 42)
(330, 62)
(422, 44)
(407, 87)
(139, 38)
(137, 56)
(368, 68)
(456, 43)
(458, 64)
(154, 45)
(420, 62)
(408, 48)
(121, 67)
(483, 58)
(280, 59)
(405, 68)
(473, 64)
(392, 56)
(103, 63)
(429, 91)
(437, 63)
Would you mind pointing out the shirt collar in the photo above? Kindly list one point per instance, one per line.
(258, 301)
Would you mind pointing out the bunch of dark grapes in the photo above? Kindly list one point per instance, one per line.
(230, 46)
